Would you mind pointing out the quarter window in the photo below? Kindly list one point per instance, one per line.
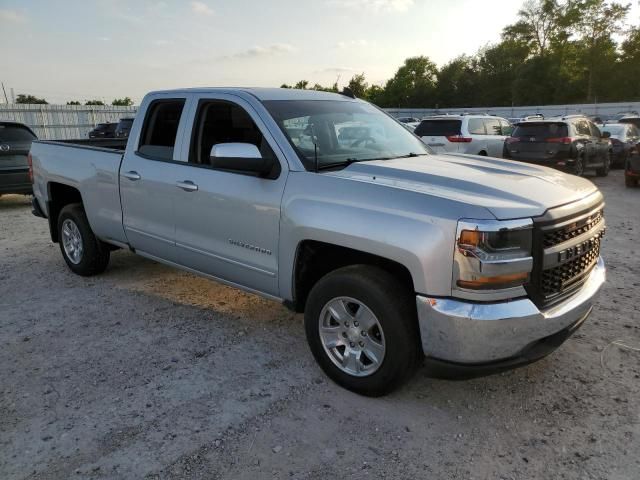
(582, 128)
(476, 126)
(160, 129)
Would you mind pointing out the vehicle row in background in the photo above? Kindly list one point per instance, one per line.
(112, 130)
(15, 142)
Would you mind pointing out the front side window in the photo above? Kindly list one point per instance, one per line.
(476, 126)
(218, 122)
(595, 131)
(160, 129)
(338, 132)
(505, 128)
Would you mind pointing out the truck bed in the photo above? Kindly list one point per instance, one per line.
(89, 166)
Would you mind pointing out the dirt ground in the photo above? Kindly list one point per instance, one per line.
(149, 372)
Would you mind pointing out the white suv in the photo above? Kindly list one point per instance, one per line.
(473, 134)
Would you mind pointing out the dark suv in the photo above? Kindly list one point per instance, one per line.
(573, 144)
(104, 130)
(124, 127)
(15, 142)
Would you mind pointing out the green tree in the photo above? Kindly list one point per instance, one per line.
(122, 102)
(73, 102)
(457, 83)
(94, 102)
(31, 99)
(302, 85)
(413, 85)
(359, 86)
(629, 67)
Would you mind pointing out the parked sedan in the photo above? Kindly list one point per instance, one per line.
(124, 127)
(15, 142)
(624, 138)
(104, 130)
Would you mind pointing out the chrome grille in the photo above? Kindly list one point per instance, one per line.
(559, 279)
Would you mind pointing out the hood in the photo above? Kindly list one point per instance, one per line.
(506, 188)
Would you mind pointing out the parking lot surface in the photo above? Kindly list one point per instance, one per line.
(150, 372)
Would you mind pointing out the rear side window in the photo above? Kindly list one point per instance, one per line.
(476, 126)
(15, 133)
(541, 130)
(160, 128)
(438, 128)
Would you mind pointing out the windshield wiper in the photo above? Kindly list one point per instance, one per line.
(346, 163)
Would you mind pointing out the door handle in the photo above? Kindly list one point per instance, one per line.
(187, 186)
(133, 176)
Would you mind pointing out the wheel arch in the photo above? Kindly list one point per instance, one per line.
(59, 195)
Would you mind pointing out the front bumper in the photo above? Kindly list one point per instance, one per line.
(503, 333)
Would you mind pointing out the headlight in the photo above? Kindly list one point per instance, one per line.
(492, 259)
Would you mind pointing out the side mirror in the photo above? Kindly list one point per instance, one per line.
(606, 134)
(240, 157)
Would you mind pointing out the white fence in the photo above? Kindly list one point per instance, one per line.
(604, 110)
(60, 122)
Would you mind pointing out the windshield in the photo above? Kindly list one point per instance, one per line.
(15, 133)
(340, 132)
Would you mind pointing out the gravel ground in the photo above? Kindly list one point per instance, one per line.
(149, 372)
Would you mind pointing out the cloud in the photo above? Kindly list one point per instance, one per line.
(13, 16)
(273, 50)
(353, 43)
(375, 5)
(201, 8)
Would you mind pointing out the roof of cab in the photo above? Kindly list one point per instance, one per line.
(264, 94)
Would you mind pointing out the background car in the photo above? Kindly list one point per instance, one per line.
(624, 138)
(15, 142)
(573, 144)
(633, 119)
(104, 130)
(408, 119)
(632, 168)
(471, 134)
(123, 128)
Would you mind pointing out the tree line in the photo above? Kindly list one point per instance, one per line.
(32, 99)
(556, 52)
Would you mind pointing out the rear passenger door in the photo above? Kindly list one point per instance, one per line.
(147, 179)
(227, 225)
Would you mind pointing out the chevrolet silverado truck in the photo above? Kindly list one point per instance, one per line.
(325, 203)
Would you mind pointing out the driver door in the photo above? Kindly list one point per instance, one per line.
(228, 222)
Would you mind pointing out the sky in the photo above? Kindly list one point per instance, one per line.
(84, 49)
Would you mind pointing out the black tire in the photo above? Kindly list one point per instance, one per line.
(578, 166)
(395, 309)
(483, 154)
(95, 254)
(604, 170)
(630, 181)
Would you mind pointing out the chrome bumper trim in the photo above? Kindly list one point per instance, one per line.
(475, 333)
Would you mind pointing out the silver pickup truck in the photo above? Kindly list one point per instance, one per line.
(325, 203)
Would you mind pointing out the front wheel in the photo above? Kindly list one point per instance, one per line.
(83, 252)
(361, 325)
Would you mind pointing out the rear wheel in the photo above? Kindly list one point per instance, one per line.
(361, 325)
(604, 170)
(83, 252)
